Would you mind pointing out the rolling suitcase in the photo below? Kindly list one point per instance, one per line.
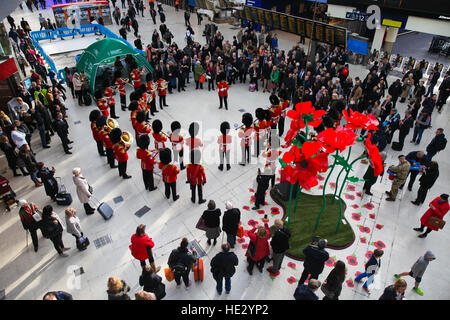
(82, 243)
(63, 198)
(198, 270)
(104, 209)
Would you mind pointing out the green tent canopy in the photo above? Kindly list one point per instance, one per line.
(105, 52)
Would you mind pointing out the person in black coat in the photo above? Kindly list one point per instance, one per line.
(405, 126)
(212, 222)
(223, 266)
(427, 180)
(395, 90)
(438, 143)
(419, 158)
(280, 245)
(395, 291)
(62, 129)
(40, 125)
(315, 257)
(333, 283)
(230, 222)
(181, 261)
(50, 184)
(304, 292)
(11, 156)
(52, 229)
(263, 181)
(152, 282)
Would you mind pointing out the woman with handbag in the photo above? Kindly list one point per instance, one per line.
(52, 228)
(47, 177)
(433, 218)
(211, 218)
(258, 248)
(84, 190)
(74, 228)
(332, 286)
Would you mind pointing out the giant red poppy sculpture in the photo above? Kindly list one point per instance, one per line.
(337, 139)
(356, 120)
(374, 156)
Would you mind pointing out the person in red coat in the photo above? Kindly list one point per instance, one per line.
(136, 78)
(259, 235)
(169, 172)
(120, 84)
(162, 92)
(195, 175)
(102, 103)
(93, 116)
(147, 158)
(222, 88)
(109, 96)
(438, 208)
(141, 247)
(106, 140)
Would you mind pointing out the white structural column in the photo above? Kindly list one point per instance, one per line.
(378, 38)
(391, 36)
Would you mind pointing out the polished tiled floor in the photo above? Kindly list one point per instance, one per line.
(28, 275)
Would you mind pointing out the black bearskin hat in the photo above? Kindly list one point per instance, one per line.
(225, 127)
(165, 155)
(100, 122)
(267, 115)
(143, 141)
(98, 94)
(115, 135)
(117, 74)
(260, 114)
(194, 127)
(174, 126)
(140, 116)
(142, 89)
(149, 77)
(157, 126)
(274, 99)
(93, 116)
(133, 106)
(282, 94)
(195, 156)
(134, 96)
(247, 119)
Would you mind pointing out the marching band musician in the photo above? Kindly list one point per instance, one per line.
(224, 140)
(177, 142)
(169, 172)
(151, 89)
(104, 134)
(93, 116)
(102, 104)
(140, 126)
(120, 84)
(275, 110)
(136, 78)
(159, 136)
(222, 88)
(195, 175)
(284, 105)
(162, 92)
(271, 154)
(192, 141)
(144, 100)
(134, 108)
(260, 130)
(147, 158)
(245, 134)
(120, 152)
(109, 96)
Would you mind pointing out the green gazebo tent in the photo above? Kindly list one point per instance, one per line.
(105, 52)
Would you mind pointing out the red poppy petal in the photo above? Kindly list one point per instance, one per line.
(310, 148)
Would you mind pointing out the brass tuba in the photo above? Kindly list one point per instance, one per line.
(126, 138)
(111, 123)
(164, 85)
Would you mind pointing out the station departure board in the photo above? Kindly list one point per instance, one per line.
(322, 32)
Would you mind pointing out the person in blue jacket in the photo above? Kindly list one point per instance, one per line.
(371, 268)
(57, 295)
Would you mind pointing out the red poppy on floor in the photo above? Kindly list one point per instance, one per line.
(369, 206)
(246, 208)
(274, 211)
(261, 211)
(320, 178)
(265, 203)
(241, 240)
(291, 280)
(337, 139)
(349, 196)
(350, 283)
(371, 216)
(356, 216)
(265, 220)
(252, 199)
(321, 187)
(355, 206)
(332, 185)
(245, 246)
(330, 261)
(351, 188)
(368, 254)
(278, 179)
(251, 190)
(352, 260)
(357, 120)
(379, 245)
(252, 223)
(359, 194)
(379, 226)
(274, 275)
(364, 229)
(374, 155)
(291, 265)
(363, 240)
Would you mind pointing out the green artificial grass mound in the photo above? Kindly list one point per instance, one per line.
(304, 218)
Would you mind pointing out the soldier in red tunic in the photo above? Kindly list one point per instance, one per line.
(147, 158)
(102, 104)
(136, 78)
(177, 143)
(134, 108)
(195, 175)
(93, 116)
(120, 83)
(162, 92)
(158, 135)
(140, 126)
(222, 88)
(283, 109)
(192, 141)
(275, 110)
(169, 172)
(245, 133)
(109, 95)
(152, 87)
(259, 130)
(120, 152)
(271, 154)
(224, 141)
(104, 134)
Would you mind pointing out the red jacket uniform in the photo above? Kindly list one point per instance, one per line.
(283, 110)
(223, 87)
(142, 128)
(275, 111)
(120, 152)
(440, 212)
(195, 143)
(271, 156)
(139, 245)
(103, 106)
(133, 118)
(160, 140)
(150, 90)
(245, 135)
(224, 142)
(262, 244)
(105, 138)
(177, 142)
(169, 172)
(260, 129)
(147, 160)
(120, 83)
(136, 78)
(195, 174)
(161, 91)
(109, 94)
(95, 132)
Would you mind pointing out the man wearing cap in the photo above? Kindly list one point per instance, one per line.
(401, 173)
(30, 221)
(304, 292)
(418, 269)
(230, 222)
(315, 257)
(438, 209)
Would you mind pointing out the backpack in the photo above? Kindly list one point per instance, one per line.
(443, 145)
(175, 263)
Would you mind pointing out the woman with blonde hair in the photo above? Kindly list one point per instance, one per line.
(84, 190)
(117, 289)
(258, 249)
(395, 291)
(74, 228)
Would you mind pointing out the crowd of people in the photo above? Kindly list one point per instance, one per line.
(288, 77)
